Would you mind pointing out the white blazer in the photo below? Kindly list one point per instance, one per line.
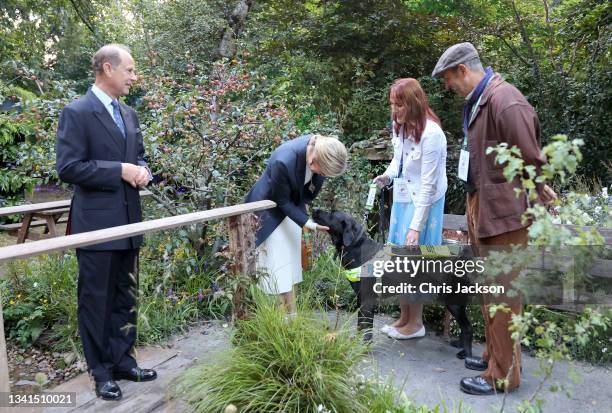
(424, 168)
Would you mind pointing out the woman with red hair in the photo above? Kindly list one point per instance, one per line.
(418, 174)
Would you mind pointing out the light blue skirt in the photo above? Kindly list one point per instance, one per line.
(401, 217)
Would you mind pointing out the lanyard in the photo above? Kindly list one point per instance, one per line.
(401, 165)
(465, 137)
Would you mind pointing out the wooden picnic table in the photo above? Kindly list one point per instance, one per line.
(47, 214)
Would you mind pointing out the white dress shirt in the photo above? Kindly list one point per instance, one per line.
(424, 168)
(104, 98)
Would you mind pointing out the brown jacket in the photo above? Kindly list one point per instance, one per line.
(504, 115)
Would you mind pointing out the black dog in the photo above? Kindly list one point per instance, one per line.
(355, 248)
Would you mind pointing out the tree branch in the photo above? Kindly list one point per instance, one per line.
(83, 18)
(227, 46)
(513, 50)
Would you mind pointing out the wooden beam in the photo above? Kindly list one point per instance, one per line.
(22, 234)
(242, 249)
(31, 249)
(5, 386)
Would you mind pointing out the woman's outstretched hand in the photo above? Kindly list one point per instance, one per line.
(313, 226)
(382, 180)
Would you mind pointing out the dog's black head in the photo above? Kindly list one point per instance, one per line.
(343, 228)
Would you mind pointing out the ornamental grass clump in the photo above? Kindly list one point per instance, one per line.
(277, 363)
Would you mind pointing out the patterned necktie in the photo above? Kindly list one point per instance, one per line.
(117, 117)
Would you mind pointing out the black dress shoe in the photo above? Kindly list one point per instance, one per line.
(108, 390)
(136, 374)
(476, 363)
(476, 385)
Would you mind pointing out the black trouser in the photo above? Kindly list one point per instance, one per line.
(107, 291)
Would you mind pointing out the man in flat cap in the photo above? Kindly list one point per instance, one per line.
(494, 112)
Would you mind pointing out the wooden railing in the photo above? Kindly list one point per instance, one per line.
(241, 238)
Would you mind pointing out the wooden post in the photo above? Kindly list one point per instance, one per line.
(22, 235)
(5, 386)
(242, 249)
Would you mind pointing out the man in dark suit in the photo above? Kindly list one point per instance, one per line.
(100, 152)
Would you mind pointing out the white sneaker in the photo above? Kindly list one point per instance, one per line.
(387, 328)
(399, 336)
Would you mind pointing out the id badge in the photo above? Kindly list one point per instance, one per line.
(401, 191)
(464, 164)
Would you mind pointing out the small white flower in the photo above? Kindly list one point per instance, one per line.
(598, 208)
(35, 285)
(603, 350)
(604, 191)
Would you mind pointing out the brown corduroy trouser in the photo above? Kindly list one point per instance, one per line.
(502, 354)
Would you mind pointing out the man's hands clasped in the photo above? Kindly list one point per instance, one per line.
(135, 175)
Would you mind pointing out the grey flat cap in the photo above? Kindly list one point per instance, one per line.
(454, 56)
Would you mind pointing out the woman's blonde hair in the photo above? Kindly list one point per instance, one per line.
(330, 154)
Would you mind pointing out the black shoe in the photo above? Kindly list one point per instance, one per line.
(108, 390)
(136, 374)
(476, 363)
(476, 385)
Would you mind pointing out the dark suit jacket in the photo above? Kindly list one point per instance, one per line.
(90, 150)
(283, 183)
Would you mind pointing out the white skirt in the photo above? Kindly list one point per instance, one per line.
(279, 258)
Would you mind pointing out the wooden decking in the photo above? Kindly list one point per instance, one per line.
(181, 352)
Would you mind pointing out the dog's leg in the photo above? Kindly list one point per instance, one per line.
(365, 314)
(459, 312)
(447, 321)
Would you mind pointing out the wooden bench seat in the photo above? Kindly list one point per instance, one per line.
(38, 223)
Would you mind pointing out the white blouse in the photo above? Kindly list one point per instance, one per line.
(424, 168)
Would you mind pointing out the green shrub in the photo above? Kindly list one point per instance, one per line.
(594, 347)
(278, 364)
(325, 285)
(40, 295)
